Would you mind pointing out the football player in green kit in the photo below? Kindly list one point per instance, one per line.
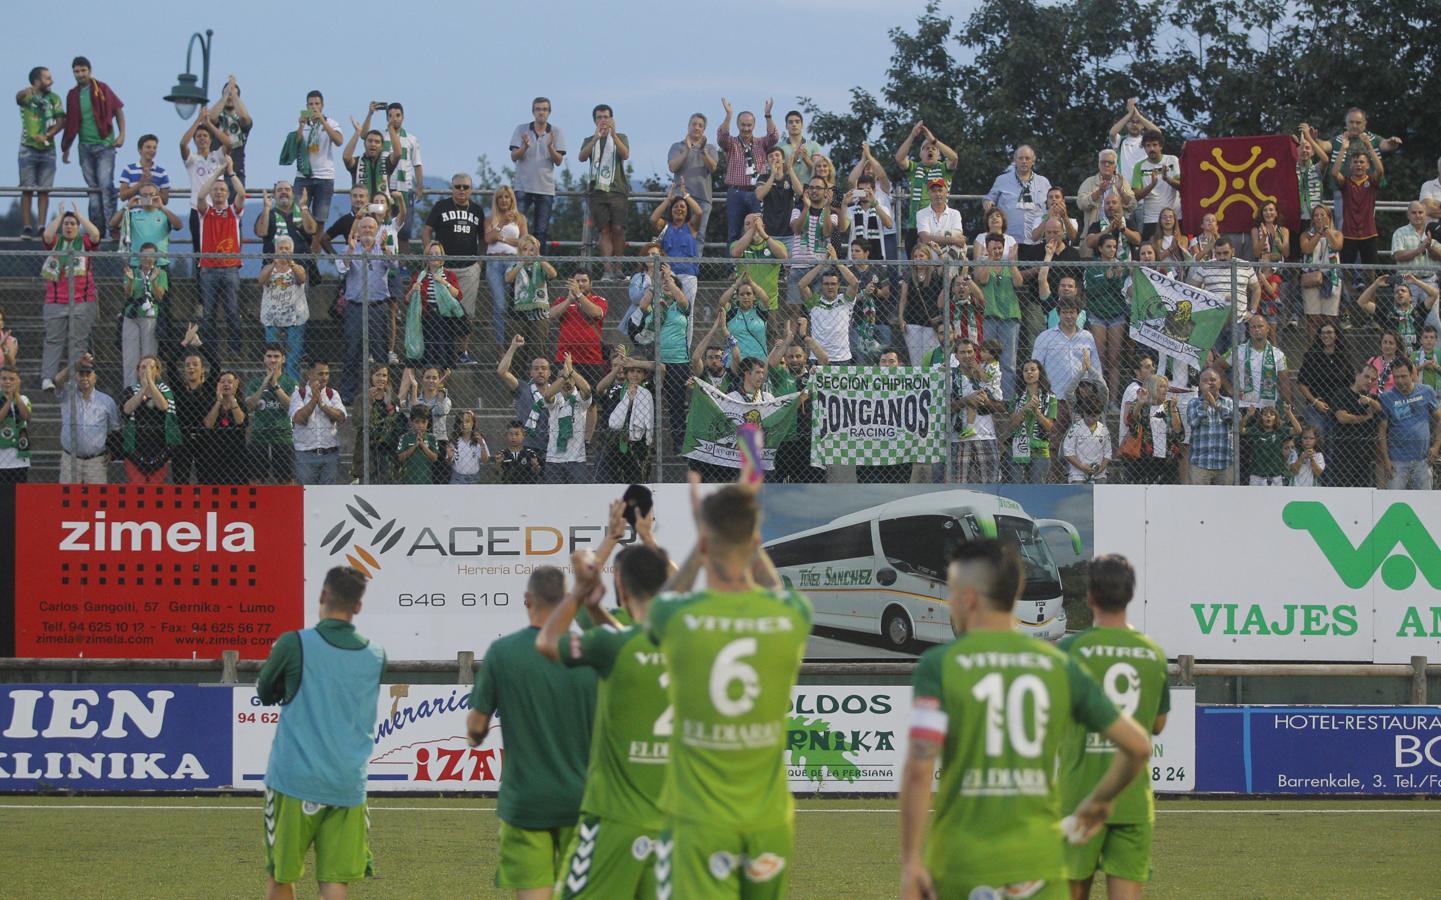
(995, 705)
(733, 652)
(1131, 669)
(612, 853)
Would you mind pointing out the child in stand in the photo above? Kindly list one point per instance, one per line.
(9, 346)
(1425, 356)
(417, 451)
(1265, 437)
(468, 452)
(431, 393)
(988, 356)
(1087, 445)
(518, 463)
(1307, 465)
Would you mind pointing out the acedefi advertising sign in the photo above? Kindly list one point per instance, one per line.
(1281, 574)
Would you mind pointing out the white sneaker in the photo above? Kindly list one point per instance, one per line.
(47, 385)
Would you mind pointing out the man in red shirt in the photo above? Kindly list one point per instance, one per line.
(220, 253)
(582, 320)
(1358, 202)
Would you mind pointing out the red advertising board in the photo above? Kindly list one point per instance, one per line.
(156, 571)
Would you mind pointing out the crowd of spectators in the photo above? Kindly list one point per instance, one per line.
(1047, 384)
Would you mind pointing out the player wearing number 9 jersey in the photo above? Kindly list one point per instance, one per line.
(1131, 669)
(733, 653)
(612, 854)
(995, 705)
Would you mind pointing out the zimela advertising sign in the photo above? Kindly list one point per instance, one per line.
(1235, 573)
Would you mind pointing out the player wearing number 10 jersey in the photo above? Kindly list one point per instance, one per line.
(733, 653)
(995, 705)
(612, 853)
(1132, 671)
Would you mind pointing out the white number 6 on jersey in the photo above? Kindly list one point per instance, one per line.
(728, 669)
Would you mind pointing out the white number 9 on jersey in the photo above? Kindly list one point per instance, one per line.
(727, 670)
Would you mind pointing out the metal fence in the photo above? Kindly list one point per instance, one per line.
(235, 353)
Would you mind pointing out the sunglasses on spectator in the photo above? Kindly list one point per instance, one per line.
(460, 187)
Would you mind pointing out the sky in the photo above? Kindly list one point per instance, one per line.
(466, 78)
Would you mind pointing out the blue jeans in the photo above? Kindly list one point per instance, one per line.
(1008, 332)
(97, 164)
(321, 190)
(1410, 475)
(217, 284)
(705, 210)
(294, 343)
(37, 168)
(495, 269)
(536, 209)
(316, 468)
(353, 375)
(739, 204)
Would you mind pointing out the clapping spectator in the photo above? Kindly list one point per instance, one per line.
(150, 427)
(1107, 307)
(408, 176)
(1210, 416)
(999, 280)
(1270, 238)
(870, 167)
(1033, 418)
(284, 309)
(745, 320)
(90, 108)
(1266, 440)
(192, 399)
(568, 399)
(88, 417)
(936, 162)
(530, 403)
(316, 411)
(1410, 441)
(1170, 243)
(431, 394)
(373, 168)
(504, 228)
(1154, 418)
(582, 321)
(747, 164)
(777, 193)
(145, 288)
(210, 155)
(434, 300)
(677, 221)
(145, 171)
(9, 344)
(42, 116)
(313, 152)
(232, 123)
(868, 218)
(757, 243)
(692, 160)
(1128, 137)
(536, 148)
(458, 223)
(1307, 464)
(387, 422)
(530, 292)
(1414, 245)
(14, 429)
(1113, 222)
(70, 298)
(267, 397)
(1107, 182)
(811, 227)
(468, 452)
(369, 317)
(418, 452)
(1358, 187)
(225, 458)
(220, 210)
(285, 217)
(607, 151)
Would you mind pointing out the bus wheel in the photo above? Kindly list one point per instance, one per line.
(896, 628)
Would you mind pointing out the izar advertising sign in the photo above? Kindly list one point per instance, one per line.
(1244, 573)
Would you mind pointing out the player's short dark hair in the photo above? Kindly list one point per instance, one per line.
(345, 585)
(36, 72)
(1112, 582)
(642, 570)
(731, 515)
(547, 585)
(1152, 134)
(994, 568)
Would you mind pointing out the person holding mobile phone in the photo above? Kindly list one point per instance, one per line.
(317, 136)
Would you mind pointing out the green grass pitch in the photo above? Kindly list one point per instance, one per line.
(129, 847)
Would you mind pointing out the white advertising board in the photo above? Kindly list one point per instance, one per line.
(1173, 751)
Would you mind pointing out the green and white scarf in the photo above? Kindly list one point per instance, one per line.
(1028, 440)
(65, 260)
(1269, 381)
(371, 174)
(602, 164)
(385, 148)
(565, 422)
(15, 434)
(141, 304)
(532, 292)
(537, 409)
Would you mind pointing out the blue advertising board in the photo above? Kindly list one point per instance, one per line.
(117, 737)
(1318, 749)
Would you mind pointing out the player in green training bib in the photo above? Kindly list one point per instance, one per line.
(1131, 669)
(547, 712)
(733, 652)
(612, 854)
(995, 705)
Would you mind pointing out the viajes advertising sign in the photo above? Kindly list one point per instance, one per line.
(1319, 749)
(873, 416)
(155, 571)
(1245, 573)
(448, 567)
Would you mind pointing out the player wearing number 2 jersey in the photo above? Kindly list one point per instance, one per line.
(733, 653)
(1131, 669)
(995, 705)
(612, 854)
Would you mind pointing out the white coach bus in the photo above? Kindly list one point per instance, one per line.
(882, 570)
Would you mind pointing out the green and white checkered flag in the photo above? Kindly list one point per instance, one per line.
(875, 416)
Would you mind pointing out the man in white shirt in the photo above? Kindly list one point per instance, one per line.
(86, 423)
(409, 174)
(1412, 245)
(568, 400)
(318, 135)
(1129, 147)
(830, 311)
(1431, 194)
(1261, 379)
(316, 412)
(938, 224)
(1238, 284)
(209, 154)
(1066, 350)
(1156, 179)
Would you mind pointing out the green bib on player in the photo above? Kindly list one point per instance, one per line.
(1131, 669)
(733, 659)
(1009, 701)
(631, 744)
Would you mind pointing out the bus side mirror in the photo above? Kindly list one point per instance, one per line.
(886, 577)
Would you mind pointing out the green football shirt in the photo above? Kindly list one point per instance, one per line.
(1004, 703)
(546, 713)
(1131, 669)
(733, 659)
(631, 745)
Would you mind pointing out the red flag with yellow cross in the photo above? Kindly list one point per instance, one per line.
(1233, 176)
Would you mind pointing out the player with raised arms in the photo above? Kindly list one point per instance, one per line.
(1131, 669)
(995, 705)
(328, 680)
(733, 652)
(612, 854)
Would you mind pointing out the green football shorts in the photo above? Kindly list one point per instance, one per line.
(530, 858)
(609, 859)
(341, 835)
(1120, 850)
(1029, 890)
(696, 861)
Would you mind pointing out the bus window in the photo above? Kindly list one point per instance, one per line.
(1043, 581)
(920, 544)
(846, 542)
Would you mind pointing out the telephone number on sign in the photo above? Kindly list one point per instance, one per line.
(432, 601)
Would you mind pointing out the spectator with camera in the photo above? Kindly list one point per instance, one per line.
(70, 296)
(312, 149)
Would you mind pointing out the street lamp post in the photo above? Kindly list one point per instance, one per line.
(186, 95)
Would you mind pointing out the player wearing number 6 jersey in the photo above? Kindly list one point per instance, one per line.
(995, 706)
(733, 652)
(1131, 669)
(612, 854)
